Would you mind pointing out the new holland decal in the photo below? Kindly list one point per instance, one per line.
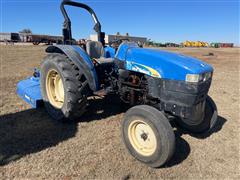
(142, 69)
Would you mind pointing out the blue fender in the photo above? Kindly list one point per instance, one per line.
(81, 59)
(159, 63)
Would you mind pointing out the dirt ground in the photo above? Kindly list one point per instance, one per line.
(33, 146)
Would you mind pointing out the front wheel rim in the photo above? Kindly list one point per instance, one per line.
(142, 137)
(55, 89)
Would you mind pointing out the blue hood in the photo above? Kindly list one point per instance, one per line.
(168, 65)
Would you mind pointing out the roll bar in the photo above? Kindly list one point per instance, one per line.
(67, 32)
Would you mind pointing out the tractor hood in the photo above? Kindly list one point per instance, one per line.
(159, 63)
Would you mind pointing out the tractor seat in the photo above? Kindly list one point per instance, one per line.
(95, 50)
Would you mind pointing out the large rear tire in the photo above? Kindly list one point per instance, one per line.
(208, 122)
(148, 135)
(64, 88)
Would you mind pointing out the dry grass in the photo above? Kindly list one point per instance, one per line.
(33, 146)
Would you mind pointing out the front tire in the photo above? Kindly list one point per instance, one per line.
(208, 121)
(64, 88)
(148, 135)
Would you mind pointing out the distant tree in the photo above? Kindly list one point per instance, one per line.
(149, 42)
(118, 33)
(127, 34)
(27, 31)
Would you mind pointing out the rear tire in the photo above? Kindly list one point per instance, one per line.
(70, 101)
(148, 135)
(207, 123)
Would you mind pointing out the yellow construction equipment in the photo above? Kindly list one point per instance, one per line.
(195, 44)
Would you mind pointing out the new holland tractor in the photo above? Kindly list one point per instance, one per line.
(158, 86)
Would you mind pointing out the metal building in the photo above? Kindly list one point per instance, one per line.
(109, 38)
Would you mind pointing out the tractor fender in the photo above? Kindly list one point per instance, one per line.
(80, 59)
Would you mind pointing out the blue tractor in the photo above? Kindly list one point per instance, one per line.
(158, 86)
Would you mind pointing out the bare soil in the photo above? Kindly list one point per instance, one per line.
(34, 146)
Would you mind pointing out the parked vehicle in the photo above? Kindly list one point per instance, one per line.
(222, 45)
(37, 39)
(9, 37)
(172, 44)
(159, 86)
(195, 44)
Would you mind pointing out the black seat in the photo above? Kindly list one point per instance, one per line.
(95, 49)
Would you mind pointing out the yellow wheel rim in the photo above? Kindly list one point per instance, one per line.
(55, 90)
(142, 137)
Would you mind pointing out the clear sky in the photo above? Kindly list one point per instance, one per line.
(159, 20)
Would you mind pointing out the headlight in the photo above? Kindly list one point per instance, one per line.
(198, 77)
(192, 77)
